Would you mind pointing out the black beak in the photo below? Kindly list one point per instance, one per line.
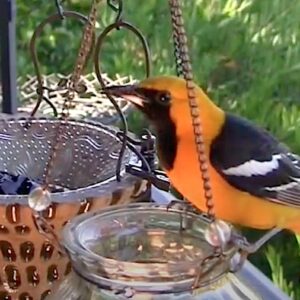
(130, 92)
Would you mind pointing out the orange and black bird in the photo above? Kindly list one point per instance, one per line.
(255, 179)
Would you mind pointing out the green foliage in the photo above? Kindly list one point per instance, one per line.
(245, 54)
(279, 269)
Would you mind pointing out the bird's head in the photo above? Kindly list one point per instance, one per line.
(163, 99)
(153, 96)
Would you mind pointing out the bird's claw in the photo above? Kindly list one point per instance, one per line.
(245, 248)
(244, 245)
(220, 235)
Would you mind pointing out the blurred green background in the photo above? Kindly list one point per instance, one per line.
(245, 54)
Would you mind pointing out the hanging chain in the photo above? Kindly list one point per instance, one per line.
(47, 230)
(72, 85)
(184, 68)
(86, 45)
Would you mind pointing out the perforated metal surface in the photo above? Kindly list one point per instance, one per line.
(86, 158)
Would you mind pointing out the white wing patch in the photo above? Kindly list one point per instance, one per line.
(253, 167)
(282, 187)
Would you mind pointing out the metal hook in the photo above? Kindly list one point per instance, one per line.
(48, 101)
(98, 48)
(117, 8)
(40, 93)
(33, 52)
(60, 9)
(99, 45)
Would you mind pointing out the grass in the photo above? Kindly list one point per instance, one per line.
(245, 53)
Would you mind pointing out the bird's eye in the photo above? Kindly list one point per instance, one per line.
(164, 98)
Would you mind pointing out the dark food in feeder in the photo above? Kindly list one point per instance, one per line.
(16, 184)
(21, 185)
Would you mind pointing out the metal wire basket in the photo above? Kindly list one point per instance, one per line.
(84, 169)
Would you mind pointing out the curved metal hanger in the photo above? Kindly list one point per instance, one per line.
(33, 51)
(117, 25)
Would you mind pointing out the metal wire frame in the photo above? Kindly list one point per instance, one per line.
(33, 52)
(117, 25)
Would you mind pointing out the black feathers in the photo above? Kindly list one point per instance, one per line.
(158, 112)
(251, 160)
(167, 143)
(240, 141)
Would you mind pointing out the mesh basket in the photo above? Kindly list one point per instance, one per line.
(85, 167)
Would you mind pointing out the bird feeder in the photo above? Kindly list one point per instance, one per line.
(143, 251)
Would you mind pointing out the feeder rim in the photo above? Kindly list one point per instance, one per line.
(76, 195)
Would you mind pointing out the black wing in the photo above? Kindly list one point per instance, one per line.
(250, 159)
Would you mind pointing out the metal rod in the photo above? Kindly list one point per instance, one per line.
(8, 55)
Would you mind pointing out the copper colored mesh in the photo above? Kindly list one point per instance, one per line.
(29, 262)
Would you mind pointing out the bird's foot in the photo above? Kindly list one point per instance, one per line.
(245, 248)
(244, 245)
(222, 237)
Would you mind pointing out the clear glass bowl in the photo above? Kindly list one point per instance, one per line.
(144, 251)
